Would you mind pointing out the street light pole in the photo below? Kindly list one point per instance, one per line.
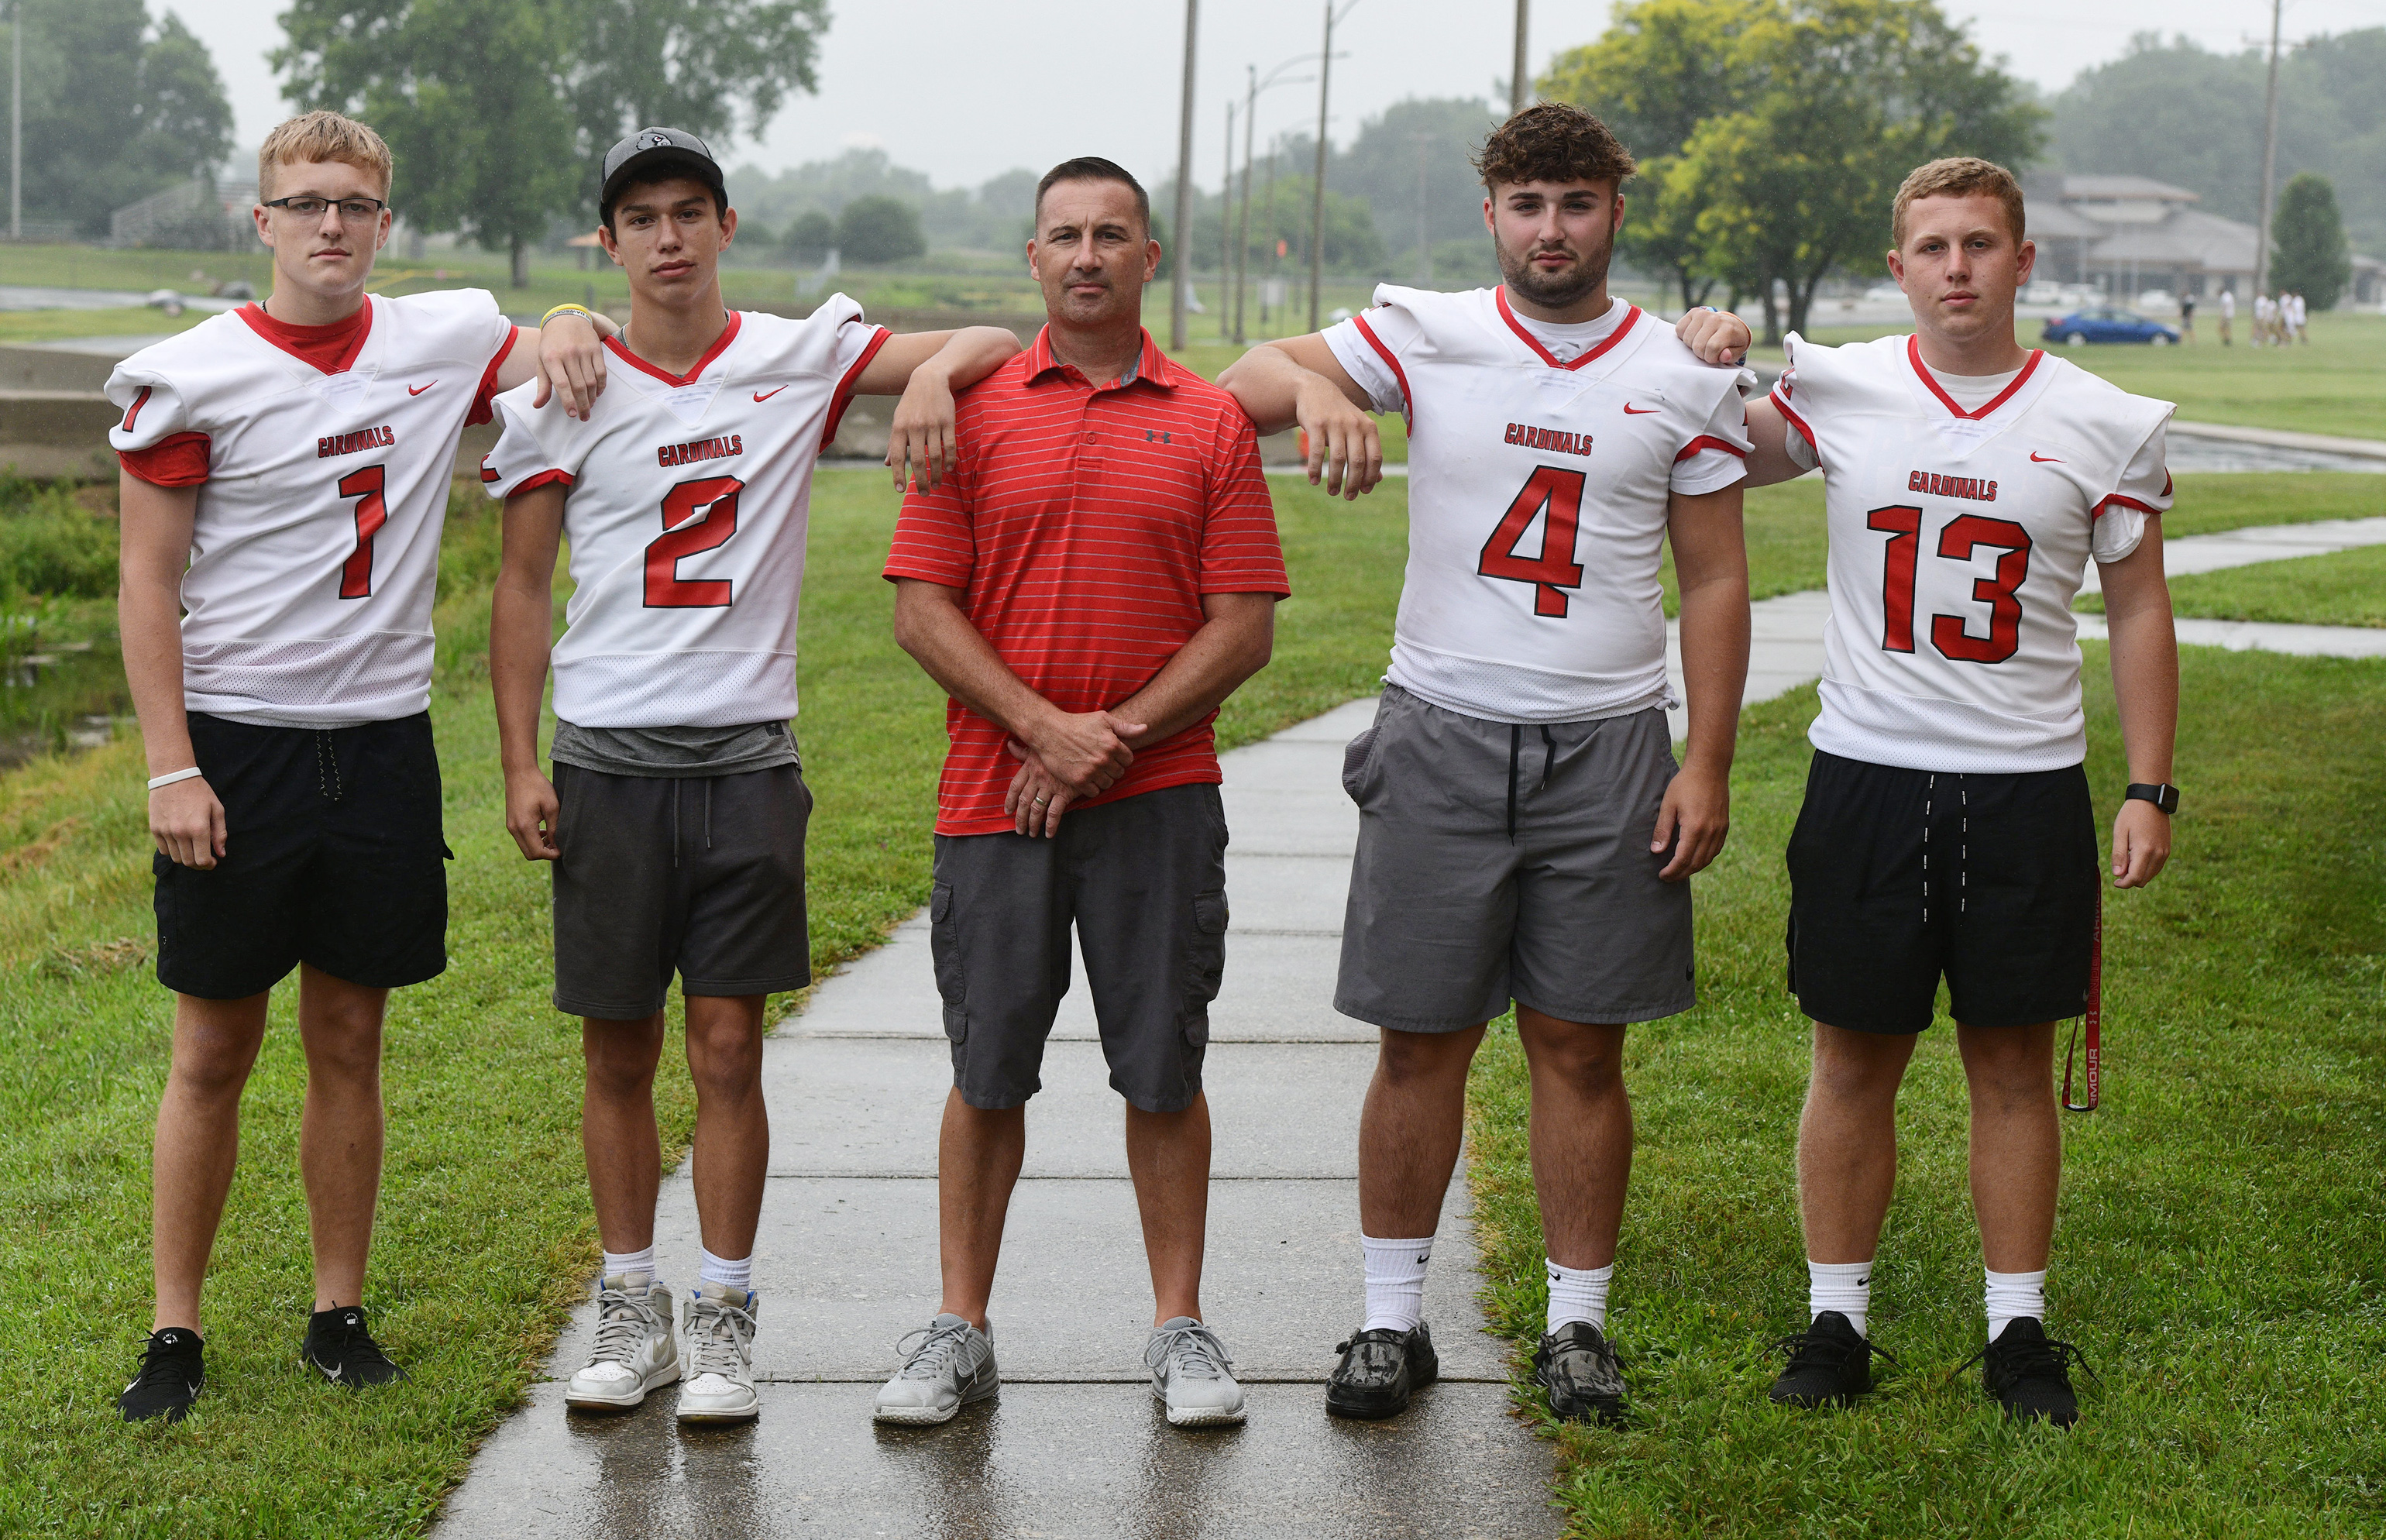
(16, 121)
(2270, 160)
(1317, 192)
(1181, 263)
(1225, 230)
(1520, 77)
(1251, 119)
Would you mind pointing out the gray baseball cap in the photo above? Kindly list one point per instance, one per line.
(648, 145)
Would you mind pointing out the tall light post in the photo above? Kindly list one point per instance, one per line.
(17, 120)
(2270, 160)
(1225, 230)
(1251, 111)
(1520, 79)
(1182, 260)
(1317, 192)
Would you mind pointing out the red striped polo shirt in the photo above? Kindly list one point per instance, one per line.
(1083, 525)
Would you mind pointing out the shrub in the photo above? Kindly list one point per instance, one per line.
(879, 230)
(50, 546)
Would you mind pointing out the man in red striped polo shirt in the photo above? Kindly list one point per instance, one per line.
(1099, 574)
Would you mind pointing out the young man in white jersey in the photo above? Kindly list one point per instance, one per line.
(1947, 826)
(675, 817)
(286, 476)
(1525, 834)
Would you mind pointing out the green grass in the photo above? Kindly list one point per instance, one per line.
(2347, 588)
(2220, 1252)
(484, 1237)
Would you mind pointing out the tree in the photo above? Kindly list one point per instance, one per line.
(2311, 258)
(1380, 167)
(879, 230)
(465, 93)
(810, 235)
(185, 121)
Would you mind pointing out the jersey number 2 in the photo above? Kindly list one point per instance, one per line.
(365, 487)
(687, 532)
(1555, 569)
(1902, 524)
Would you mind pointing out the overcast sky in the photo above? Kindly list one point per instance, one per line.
(963, 89)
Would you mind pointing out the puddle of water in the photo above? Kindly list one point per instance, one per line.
(56, 694)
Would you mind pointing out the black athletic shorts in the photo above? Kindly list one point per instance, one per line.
(1897, 876)
(333, 855)
(1143, 882)
(699, 875)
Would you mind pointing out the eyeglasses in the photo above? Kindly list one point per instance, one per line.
(353, 211)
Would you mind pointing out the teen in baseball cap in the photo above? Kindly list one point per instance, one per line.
(651, 153)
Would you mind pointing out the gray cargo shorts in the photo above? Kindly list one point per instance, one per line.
(1500, 862)
(1143, 879)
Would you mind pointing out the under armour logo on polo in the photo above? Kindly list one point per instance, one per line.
(1153, 435)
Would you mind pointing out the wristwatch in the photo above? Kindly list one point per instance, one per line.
(2165, 797)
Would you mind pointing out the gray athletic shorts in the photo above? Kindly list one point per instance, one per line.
(1499, 862)
(702, 876)
(1144, 881)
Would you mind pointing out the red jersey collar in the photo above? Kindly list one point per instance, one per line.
(332, 348)
(1153, 365)
(1914, 356)
(720, 345)
(1631, 319)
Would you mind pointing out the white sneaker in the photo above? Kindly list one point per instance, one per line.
(951, 1365)
(1189, 1374)
(634, 1351)
(720, 1386)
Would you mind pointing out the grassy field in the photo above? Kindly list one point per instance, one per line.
(2345, 589)
(2220, 1257)
(485, 1239)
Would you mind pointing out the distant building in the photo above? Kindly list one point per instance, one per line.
(198, 215)
(2127, 234)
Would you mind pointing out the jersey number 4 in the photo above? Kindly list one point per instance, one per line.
(1555, 569)
(1902, 524)
(689, 532)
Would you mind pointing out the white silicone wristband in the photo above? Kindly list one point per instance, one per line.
(191, 774)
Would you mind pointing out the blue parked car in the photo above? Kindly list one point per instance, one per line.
(2108, 324)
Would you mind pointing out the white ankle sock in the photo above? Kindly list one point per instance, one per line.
(1578, 1294)
(1395, 1282)
(1842, 1286)
(2011, 1294)
(737, 1274)
(630, 1261)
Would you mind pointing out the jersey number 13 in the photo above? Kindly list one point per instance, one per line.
(1902, 524)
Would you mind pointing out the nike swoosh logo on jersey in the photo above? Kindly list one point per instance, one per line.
(765, 395)
(1631, 410)
(418, 390)
(2043, 459)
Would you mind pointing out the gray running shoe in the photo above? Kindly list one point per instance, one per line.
(947, 1364)
(633, 1352)
(720, 1385)
(1189, 1374)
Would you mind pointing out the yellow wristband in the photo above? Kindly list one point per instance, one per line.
(568, 310)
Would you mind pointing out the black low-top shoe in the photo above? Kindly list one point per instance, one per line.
(1379, 1370)
(339, 1349)
(170, 1374)
(1579, 1367)
(2028, 1372)
(1830, 1364)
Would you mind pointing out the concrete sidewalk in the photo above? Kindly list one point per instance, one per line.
(1076, 1446)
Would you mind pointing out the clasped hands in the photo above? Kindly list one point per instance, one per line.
(1071, 756)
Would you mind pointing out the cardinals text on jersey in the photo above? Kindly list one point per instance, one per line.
(1958, 540)
(315, 547)
(689, 497)
(1537, 498)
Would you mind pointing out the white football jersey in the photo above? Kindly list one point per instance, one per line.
(315, 547)
(1537, 496)
(690, 497)
(1958, 540)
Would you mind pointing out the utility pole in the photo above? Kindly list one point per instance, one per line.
(2270, 160)
(1317, 192)
(1276, 243)
(1424, 247)
(1225, 230)
(1180, 261)
(16, 121)
(1243, 230)
(1520, 79)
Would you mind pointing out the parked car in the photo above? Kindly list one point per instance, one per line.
(2160, 302)
(2042, 292)
(2107, 324)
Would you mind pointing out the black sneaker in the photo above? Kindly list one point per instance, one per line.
(2028, 1372)
(1579, 1367)
(1379, 1370)
(1830, 1364)
(339, 1349)
(171, 1373)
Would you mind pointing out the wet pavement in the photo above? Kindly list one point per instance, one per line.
(1075, 1445)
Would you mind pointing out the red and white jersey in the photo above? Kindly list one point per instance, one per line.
(315, 547)
(1959, 534)
(690, 497)
(1538, 495)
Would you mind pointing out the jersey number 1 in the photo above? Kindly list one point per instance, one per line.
(685, 533)
(1902, 524)
(1555, 569)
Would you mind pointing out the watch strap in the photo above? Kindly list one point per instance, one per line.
(2165, 797)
